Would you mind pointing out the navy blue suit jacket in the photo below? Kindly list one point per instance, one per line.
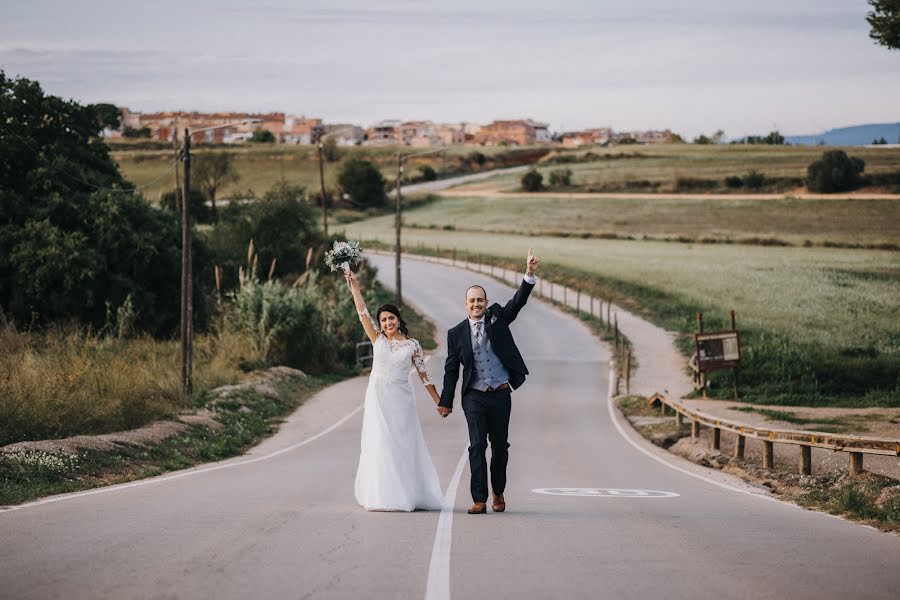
(459, 346)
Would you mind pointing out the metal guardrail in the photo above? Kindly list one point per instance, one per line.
(364, 355)
(854, 445)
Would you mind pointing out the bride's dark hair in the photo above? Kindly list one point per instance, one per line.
(394, 311)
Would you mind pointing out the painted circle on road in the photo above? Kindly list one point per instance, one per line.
(605, 493)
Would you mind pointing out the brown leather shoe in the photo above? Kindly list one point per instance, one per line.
(479, 508)
(499, 503)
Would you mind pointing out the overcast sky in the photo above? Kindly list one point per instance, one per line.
(802, 66)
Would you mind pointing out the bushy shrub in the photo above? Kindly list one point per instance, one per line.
(834, 172)
(734, 182)
(428, 173)
(282, 226)
(200, 212)
(754, 180)
(561, 178)
(363, 183)
(313, 326)
(262, 136)
(532, 181)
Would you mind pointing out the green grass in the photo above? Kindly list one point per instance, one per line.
(790, 221)
(810, 334)
(659, 167)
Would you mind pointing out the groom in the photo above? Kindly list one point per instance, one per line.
(492, 368)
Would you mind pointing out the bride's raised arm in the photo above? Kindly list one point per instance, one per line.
(418, 360)
(364, 317)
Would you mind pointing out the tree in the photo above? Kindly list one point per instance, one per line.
(702, 139)
(262, 136)
(72, 238)
(879, 141)
(834, 172)
(532, 181)
(561, 178)
(212, 171)
(884, 18)
(330, 150)
(717, 136)
(282, 226)
(363, 183)
(108, 115)
(130, 132)
(200, 213)
(428, 173)
(675, 139)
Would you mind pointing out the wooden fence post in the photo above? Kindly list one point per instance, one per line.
(768, 454)
(739, 447)
(715, 438)
(628, 377)
(578, 301)
(805, 460)
(695, 430)
(856, 464)
(679, 420)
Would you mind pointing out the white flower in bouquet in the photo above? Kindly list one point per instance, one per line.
(343, 255)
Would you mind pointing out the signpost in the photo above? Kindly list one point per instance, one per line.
(716, 350)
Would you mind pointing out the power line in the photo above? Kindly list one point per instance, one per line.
(89, 184)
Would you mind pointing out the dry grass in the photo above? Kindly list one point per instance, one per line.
(261, 166)
(68, 381)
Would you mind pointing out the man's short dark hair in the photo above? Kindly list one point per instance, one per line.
(475, 285)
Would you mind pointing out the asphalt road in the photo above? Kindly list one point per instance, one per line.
(282, 522)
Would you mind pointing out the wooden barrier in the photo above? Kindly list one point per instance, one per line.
(855, 445)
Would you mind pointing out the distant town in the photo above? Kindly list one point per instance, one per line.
(236, 128)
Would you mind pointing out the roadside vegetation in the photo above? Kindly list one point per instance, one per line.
(870, 498)
(819, 326)
(89, 304)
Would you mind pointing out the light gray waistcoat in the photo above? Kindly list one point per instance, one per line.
(489, 371)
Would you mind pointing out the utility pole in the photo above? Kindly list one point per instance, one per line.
(186, 275)
(397, 227)
(322, 182)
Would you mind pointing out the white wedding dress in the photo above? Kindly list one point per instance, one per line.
(395, 469)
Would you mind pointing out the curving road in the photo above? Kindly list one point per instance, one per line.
(282, 522)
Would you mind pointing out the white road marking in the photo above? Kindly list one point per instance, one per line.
(134, 484)
(438, 585)
(605, 493)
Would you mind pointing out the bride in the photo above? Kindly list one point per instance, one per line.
(395, 469)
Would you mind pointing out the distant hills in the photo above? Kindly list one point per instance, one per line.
(858, 135)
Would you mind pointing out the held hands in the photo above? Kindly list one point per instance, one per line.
(532, 262)
(444, 411)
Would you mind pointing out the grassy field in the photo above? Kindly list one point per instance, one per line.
(623, 168)
(825, 322)
(262, 165)
(659, 167)
(792, 221)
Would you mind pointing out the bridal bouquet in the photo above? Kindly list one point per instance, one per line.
(343, 255)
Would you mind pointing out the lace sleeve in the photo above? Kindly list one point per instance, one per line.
(365, 316)
(418, 359)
